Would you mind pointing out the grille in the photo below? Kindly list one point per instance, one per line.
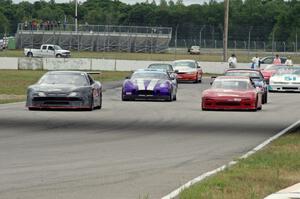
(228, 103)
(145, 92)
(56, 99)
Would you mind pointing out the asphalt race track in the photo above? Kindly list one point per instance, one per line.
(128, 150)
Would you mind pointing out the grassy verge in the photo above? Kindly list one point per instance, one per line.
(268, 171)
(207, 56)
(13, 83)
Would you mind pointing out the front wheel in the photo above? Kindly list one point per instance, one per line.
(100, 102)
(170, 98)
(58, 56)
(29, 54)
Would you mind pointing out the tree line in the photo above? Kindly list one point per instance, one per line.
(265, 19)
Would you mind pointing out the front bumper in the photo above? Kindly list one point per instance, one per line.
(146, 94)
(187, 77)
(58, 103)
(228, 104)
(284, 87)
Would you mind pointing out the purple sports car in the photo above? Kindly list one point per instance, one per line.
(150, 84)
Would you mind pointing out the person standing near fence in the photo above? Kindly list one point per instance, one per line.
(277, 60)
(289, 61)
(232, 61)
(255, 62)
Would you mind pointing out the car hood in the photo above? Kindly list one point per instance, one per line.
(286, 78)
(184, 69)
(146, 84)
(55, 88)
(227, 93)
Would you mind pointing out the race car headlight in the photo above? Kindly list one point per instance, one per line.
(41, 94)
(73, 94)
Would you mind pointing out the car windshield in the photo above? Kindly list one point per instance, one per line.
(161, 66)
(294, 71)
(185, 63)
(149, 75)
(72, 79)
(243, 73)
(230, 84)
(57, 47)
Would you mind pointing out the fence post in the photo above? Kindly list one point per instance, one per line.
(273, 35)
(175, 52)
(296, 42)
(249, 40)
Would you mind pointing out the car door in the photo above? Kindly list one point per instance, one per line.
(43, 51)
(50, 52)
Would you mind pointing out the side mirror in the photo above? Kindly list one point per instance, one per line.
(176, 71)
(172, 78)
(127, 77)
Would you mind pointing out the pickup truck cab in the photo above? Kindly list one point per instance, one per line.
(47, 50)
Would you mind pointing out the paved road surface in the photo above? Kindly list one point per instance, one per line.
(127, 150)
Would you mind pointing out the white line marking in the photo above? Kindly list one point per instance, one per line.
(176, 192)
(152, 84)
(140, 83)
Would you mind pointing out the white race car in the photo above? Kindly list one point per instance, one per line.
(287, 79)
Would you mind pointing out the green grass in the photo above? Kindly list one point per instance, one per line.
(208, 56)
(269, 170)
(13, 83)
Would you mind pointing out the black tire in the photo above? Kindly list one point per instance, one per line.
(170, 98)
(100, 102)
(266, 98)
(175, 97)
(123, 97)
(29, 54)
(200, 81)
(92, 104)
(58, 56)
(197, 80)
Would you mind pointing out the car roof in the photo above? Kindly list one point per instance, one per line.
(243, 69)
(66, 72)
(274, 57)
(185, 60)
(232, 78)
(160, 64)
(151, 71)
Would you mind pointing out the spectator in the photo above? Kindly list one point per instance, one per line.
(289, 61)
(277, 60)
(255, 62)
(232, 61)
(26, 25)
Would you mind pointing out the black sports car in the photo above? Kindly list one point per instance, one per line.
(65, 90)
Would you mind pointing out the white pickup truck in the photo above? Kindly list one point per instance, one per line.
(47, 50)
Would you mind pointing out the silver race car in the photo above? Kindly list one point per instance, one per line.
(65, 90)
(287, 79)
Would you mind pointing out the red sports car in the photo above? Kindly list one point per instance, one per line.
(232, 93)
(270, 70)
(188, 70)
